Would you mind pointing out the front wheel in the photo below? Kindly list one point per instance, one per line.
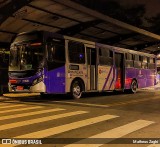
(134, 86)
(76, 90)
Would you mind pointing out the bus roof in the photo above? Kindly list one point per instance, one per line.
(123, 50)
(118, 49)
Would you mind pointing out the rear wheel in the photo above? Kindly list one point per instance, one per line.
(134, 86)
(76, 89)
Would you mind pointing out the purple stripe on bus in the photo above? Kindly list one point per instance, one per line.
(107, 78)
(112, 78)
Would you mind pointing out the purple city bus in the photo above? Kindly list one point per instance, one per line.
(50, 63)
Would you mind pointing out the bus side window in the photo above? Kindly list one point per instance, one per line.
(56, 51)
(140, 58)
(151, 64)
(76, 52)
(144, 63)
(110, 54)
(105, 56)
(154, 60)
(137, 61)
(129, 59)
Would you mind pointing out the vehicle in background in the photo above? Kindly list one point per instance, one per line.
(50, 63)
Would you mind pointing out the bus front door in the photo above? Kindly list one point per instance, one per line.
(119, 63)
(91, 68)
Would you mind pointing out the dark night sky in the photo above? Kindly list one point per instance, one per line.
(152, 6)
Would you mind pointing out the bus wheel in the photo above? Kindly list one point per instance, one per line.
(43, 95)
(134, 86)
(76, 90)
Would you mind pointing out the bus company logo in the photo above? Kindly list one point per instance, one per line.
(140, 72)
(101, 71)
(6, 141)
(84, 68)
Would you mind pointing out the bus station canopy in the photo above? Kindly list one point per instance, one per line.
(69, 18)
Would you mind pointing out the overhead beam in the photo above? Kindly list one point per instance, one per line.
(62, 16)
(118, 38)
(156, 52)
(144, 45)
(40, 23)
(8, 32)
(106, 18)
(107, 30)
(55, 14)
(71, 31)
(9, 7)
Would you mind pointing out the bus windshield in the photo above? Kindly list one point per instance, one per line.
(26, 56)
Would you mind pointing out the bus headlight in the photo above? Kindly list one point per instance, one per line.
(39, 79)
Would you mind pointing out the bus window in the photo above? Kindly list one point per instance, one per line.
(151, 64)
(140, 58)
(110, 54)
(76, 52)
(136, 58)
(129, 60)
(56, 51)
(154, 60)
(144, 62)
(129, 56)
(105, 56)
(145, 59)
(137, 61)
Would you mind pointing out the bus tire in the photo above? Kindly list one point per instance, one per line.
(134, 86)
(76, 89)
(43, 95)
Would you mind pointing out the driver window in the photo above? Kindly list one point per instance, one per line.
(56, 50)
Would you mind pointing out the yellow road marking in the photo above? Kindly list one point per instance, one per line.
(39, 120)
(113, 133)
(12, 106)
(66, 127)
(29, 114)
(20, 109)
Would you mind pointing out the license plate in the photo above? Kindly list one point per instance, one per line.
(20, 88)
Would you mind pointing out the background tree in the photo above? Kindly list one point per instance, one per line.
(155, 23)
(133, 15)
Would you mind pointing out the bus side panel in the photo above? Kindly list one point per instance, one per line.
(141, 77)
(150, 76)
(75, 71)
(106, 78)
(145, 77)
(130, 74)
(55, 80)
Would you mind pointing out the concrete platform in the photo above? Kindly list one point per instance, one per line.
(155, 87)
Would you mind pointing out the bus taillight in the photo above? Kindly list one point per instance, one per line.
(12, 81)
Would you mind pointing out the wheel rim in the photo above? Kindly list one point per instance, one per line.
(76, 91)
(134, 86)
